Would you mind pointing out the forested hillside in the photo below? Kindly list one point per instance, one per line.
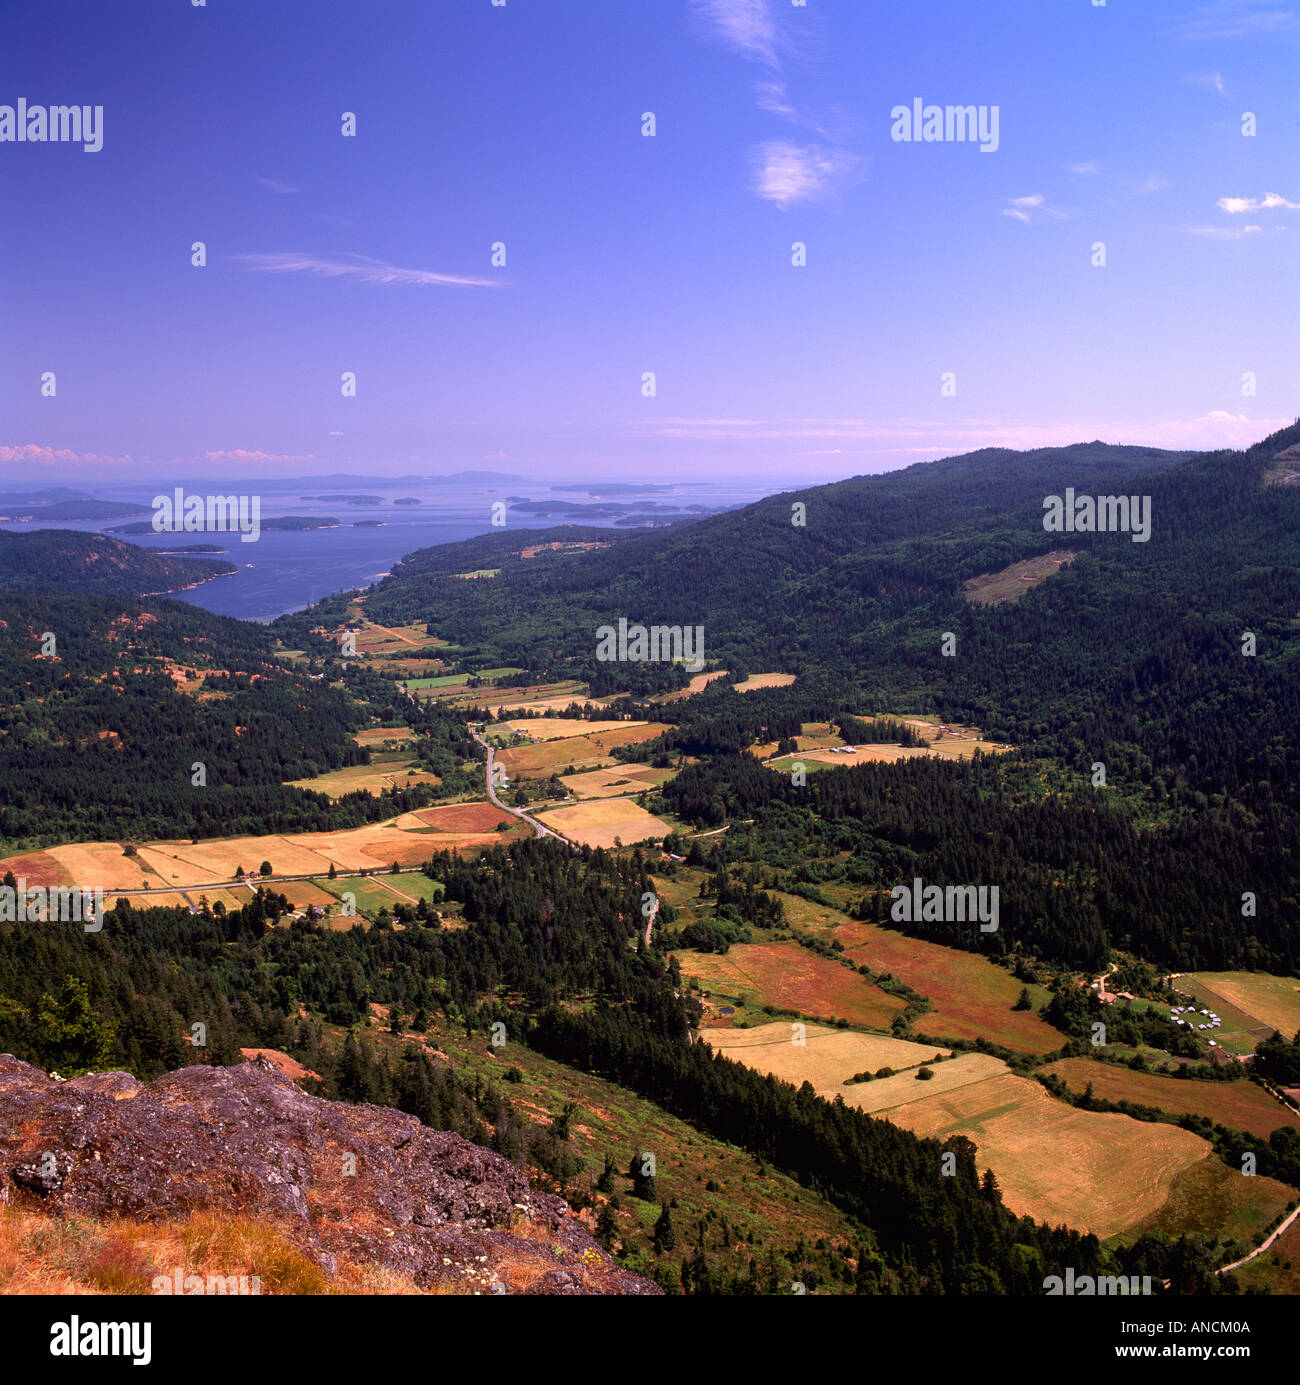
(63, 560)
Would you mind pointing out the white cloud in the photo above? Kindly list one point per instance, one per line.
(1153, 182)
(747, 26)
(363, 269)
(49, 456)
(790, 173)
(273, 185)
(1236, 205)
(1032, 208)
(1083, 169)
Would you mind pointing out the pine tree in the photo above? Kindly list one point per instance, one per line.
(665, 1233)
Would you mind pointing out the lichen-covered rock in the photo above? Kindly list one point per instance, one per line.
(365, 1183)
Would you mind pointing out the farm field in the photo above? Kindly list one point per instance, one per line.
(616, 779)
(407, 840)
(1239, 1105)
(599, 821)
(697, 684)
(558, 728)
(887, 1093)
(542, 760)
(791, 977)
(826, 1057)
(1239, 1032)
(463, 817)
(370, 895)
(1273, 1000)
(765, 680)
(971, 997)
(377, 735)
(386, 770)
(588, 748)
(1093, 1171)
(164, 899)
(1213, 1199)
(302, 893)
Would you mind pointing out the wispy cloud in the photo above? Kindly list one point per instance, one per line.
(239, 454)
(1224, 232)
(1032, 208)
(1211, 80)
(1154, 182)
(788, 173)
(1083, 170)
(945, 437)
(746, 26)
(1237, 205)
(785, 173)
(360, 268)
(1227, 19)
(274, 185)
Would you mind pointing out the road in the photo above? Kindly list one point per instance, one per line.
(539, 827)
(1236, 1264)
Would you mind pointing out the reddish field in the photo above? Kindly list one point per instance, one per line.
(792, 978)
(972, 997)
(38, 868)
(465, 817)
(1239, 1105)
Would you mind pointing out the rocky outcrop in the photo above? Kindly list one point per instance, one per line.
(365, 1183)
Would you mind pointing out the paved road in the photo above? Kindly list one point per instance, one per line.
(539, 827)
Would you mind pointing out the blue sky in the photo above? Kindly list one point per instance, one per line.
(625, 254)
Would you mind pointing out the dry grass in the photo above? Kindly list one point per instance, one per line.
(1273, 999)
(765, 680)
(599, 822)
(41, 1254)
(616, 779)
(792, 978)
(1093, 1171)
(993, 588)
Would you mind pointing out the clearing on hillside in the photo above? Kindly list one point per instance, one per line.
(993, 588)
(791, 977)
(1273, 1000)
(1093, 1171)
(825, 1058)
(971, 997)
(1239, 1105)
(600, 821)
(615, 780)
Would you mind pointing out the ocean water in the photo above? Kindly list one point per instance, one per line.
(287, 570)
